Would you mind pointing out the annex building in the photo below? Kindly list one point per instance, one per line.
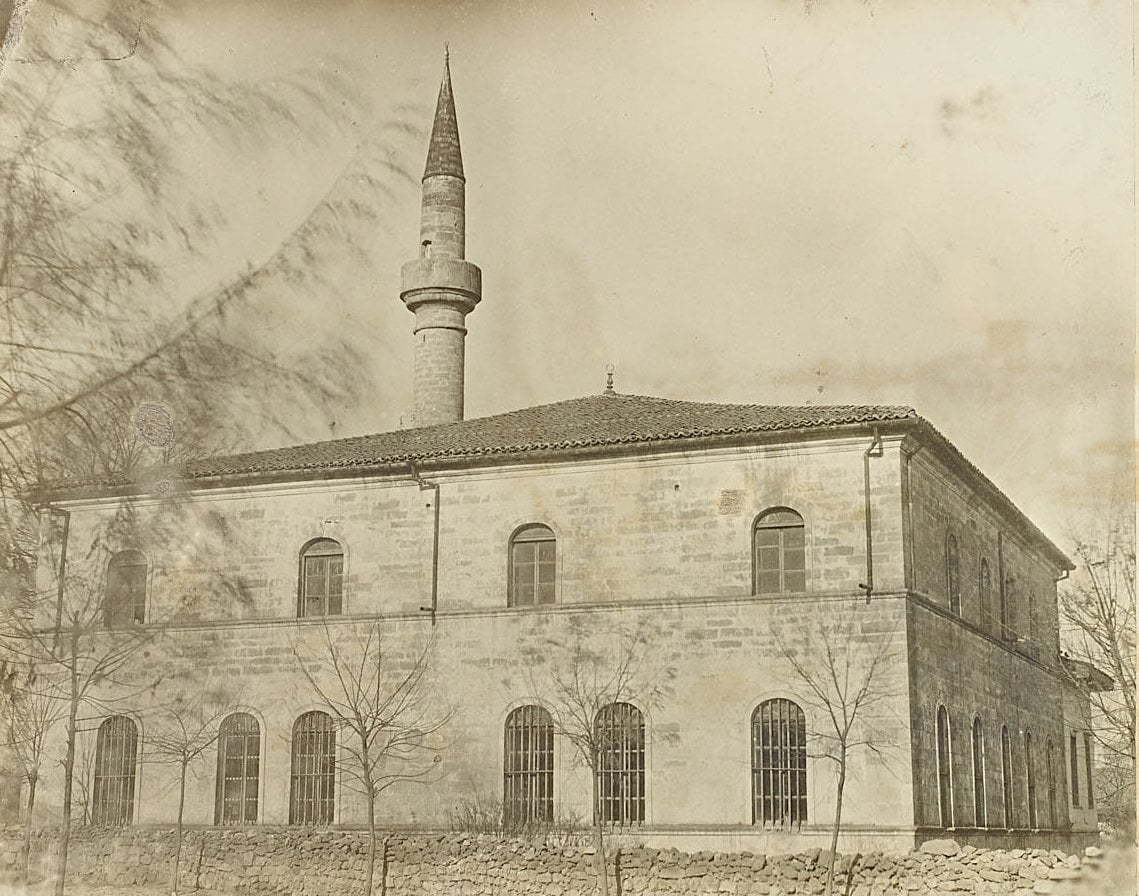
(731, 551)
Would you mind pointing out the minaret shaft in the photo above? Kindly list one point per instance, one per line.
(441, 287)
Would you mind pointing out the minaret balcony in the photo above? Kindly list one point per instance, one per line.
(453, 280)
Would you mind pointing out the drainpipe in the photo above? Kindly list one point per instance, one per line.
(875, 450)
(424, 485)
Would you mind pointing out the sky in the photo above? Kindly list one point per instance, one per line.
(920, 203)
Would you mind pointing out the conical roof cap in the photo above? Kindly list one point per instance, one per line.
(443, 153)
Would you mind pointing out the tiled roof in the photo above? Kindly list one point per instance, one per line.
(444, 155)
(599, 420)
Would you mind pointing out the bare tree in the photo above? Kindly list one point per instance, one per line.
(180, 733)
(1097, 615)
(581, 686)
(381, 701)
(847, 678)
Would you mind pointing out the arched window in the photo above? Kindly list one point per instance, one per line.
(778, 763)
(985, 595)
(322, 578)
(533, 552)
(1030, 780)
(953, 574)
(116, 754)
(979, 808)
(124, 602)
(1050, 758)
(312, 796)
(620, 733)
(528, 766)
(1006, 775)
(944, 768)
(1073, 770)
(780, 552)
(239, 757)
(1088, 768)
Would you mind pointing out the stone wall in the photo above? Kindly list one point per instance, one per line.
(332, 862)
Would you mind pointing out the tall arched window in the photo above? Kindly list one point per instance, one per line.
(985, 595)
(312, 796)
(1050, 758)
(778, 763)
(1006, 775)
(116, 754)
(979, 808)
(944, 768)
(528, 766)
(953, 574)
(780, 552)
(1030, 780)
(239, 757)
(124, 601)
(322, 578)
(620, 732)
(533, 567)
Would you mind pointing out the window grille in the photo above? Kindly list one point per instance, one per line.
(1088, 768)
(533, 552)
(239, 757)
(116, 754)
(1050, 755)
(322, 578)
(1074, 771)
(1030, 780)
(944, 769)
(312, 798)
(985, 594)
(779, 543)
(1006, 775)
(979, 807)
(124, 602)
(620, 732)
(953, 574)
(528, 766)
(779, 764)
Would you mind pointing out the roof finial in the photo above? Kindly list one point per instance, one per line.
(609, 379)
(446, 54)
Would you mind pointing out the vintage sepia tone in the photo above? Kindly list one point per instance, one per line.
(479, 448)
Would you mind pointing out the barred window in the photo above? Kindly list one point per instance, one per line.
(1074, 771)
(528, 766)
(322, 578)
(1006, 775)
(116, 754)
(124, 603)
(985, 594)
(979, 808)
(779, 544)
(1088, 768)
(620, 732)
(239, 757)
(533, 551)
(1030, 780)
(944, 768)
(779, 763)
(312, 797)
(953, 574)
(1050, 757)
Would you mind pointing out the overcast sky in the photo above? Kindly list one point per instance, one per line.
(922, 203)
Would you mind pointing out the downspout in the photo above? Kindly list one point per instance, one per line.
(424, 485)
(875, 450)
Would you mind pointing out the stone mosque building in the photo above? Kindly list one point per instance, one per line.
(728, 539)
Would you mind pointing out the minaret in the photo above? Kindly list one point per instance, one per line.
(441, 287)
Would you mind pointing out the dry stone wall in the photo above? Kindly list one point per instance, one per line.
(315, 863)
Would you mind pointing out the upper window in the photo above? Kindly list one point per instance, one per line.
(322, 578)
(953, 574)
(124, 602)
(312, 791)
(1088, 768)
(1050, 758)
(620, 735)
(533, 551)
(944, 768)
(1073, 770)
(116, 753)
(985, 593)
(528, 767)
(239, 756)
(979, 813)
(780, 552)
(1007, 602)
(778, 763)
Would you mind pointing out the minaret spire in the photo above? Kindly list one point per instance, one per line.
(441, 287)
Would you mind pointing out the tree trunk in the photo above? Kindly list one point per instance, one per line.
(384, 868)
(370, 872)
(599, 839)
(68, 774)
(33, 779)
(837, 821)
(178, 836)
